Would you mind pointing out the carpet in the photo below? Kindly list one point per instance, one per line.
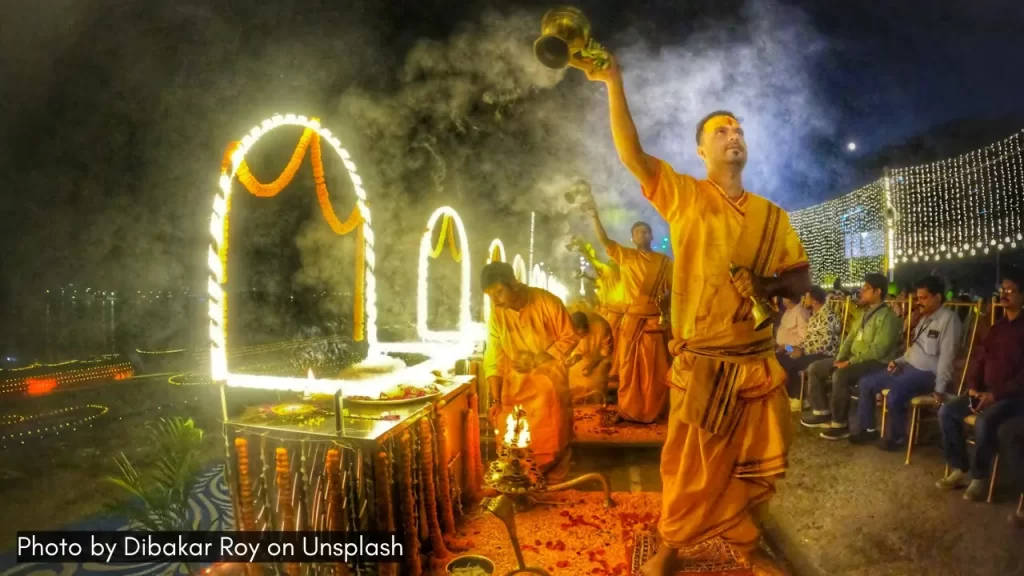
(210, 503)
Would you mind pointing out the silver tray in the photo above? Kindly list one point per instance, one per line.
(398, 402)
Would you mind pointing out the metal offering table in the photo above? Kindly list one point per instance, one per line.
(403, 467)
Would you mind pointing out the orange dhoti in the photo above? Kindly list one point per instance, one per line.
(642, 358)
(544, 394)
(613, 313)
(713, 482)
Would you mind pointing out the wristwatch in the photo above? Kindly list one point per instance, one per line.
(495, 402)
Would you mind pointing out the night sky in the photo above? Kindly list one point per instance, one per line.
(115, 115)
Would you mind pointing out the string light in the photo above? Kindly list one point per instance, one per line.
(421, 291)
(496, 246)
(958, 206)
(218, 252)
(96, 410)
(853, 248)
(533, 221)
(519, 267)
(962, 204)
(46, 382)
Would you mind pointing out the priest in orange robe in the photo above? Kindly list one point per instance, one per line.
(591, 361)
(642, 342)
(530, 337)
(729, 429)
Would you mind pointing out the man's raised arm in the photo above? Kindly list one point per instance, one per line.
(627, 142)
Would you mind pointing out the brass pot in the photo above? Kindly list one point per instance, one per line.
(564, 31)
(470, 562)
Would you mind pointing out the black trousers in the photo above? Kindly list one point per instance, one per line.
(793, 367)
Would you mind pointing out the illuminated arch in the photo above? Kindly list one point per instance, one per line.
(519, 267)
(218, 253)
(538, 278)
(465, 321)
(495, 253)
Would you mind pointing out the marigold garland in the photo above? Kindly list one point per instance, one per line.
(409, 506)
(334, 513)
(475, 472)
(309, 139)
(257, 188)
(444, 481)
(427, 471)
(385, 510)
(447, 232)
(246, 514)
(284, 499)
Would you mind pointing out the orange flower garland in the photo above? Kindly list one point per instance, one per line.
(409, 506)
(256, 188)
(284, 499)
(444, 481)
(355, 220)
(334, 490)
(430, 490)
(246, 514)
(385, 511)
(447, 232)
(474, 460)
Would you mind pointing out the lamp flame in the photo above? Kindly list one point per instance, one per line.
(522, 440)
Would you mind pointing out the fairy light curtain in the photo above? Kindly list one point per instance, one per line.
(964, 206)
(845, 237)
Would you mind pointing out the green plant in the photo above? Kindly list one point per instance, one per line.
(159, 496)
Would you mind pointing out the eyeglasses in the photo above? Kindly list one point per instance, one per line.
(1009, 291)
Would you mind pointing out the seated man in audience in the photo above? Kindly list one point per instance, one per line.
(927, 366)
(1011, 439)
(591, 361)
(996, 395)
(871, 345)
(822, 341)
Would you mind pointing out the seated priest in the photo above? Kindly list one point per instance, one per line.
(591, 362)
(530, 336)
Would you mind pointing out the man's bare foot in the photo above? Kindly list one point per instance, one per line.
(661, 564)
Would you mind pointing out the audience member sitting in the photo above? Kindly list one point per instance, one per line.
(1011, 439)
(996, 394)
(822, 342)
(792, 328)
(927, 366)
(868, 348)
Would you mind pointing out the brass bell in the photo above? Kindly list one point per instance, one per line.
(764, 314)
(563, 32)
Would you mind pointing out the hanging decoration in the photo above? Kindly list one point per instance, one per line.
(451, 224)
(247, 517)
(233, 165)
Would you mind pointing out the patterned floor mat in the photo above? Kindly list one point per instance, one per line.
(210, 503)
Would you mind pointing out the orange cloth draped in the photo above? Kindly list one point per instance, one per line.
(611, 294)
(543, 325)
(729, 429)
(596, 351)
(641, 352)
